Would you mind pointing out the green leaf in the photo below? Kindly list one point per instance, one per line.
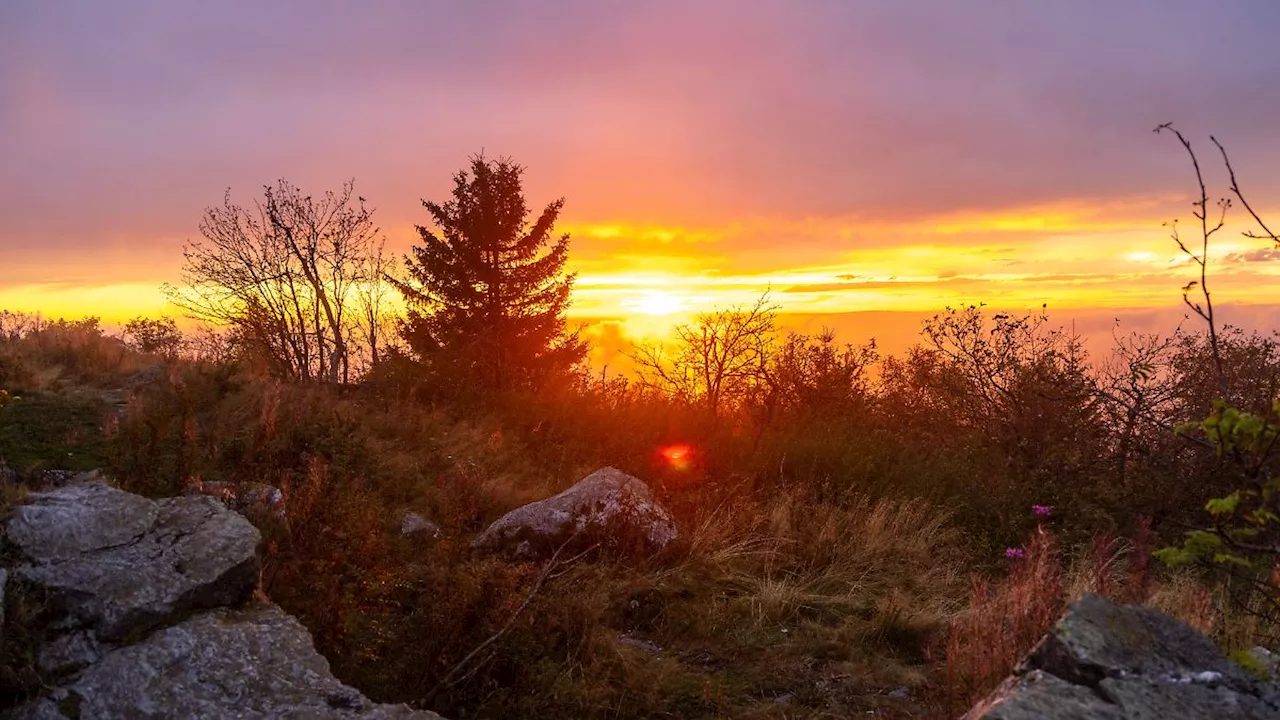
(1223, 506)
(1174, 557)
(1231, 559)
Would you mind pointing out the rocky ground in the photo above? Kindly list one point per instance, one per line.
(147, 609)
(1104, 661)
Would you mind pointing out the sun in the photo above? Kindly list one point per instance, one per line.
(657, 303)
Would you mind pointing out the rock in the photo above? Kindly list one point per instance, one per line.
(118, 564)
(1103, 660)
(1267, 662)
(149, 375)
(67, 523)
(1037, 694)
(246, 498)
(148, 614)
(638, 643)
(608, 507)
(411, 523)
(251, 663)
(67, 653)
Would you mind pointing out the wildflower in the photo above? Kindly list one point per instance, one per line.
(1041, 511)
(1015, 553)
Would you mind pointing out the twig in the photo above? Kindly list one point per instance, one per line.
(1202, 214)
(450, 678)
(1235, 188)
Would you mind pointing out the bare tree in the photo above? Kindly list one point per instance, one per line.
(293, 275)
(1200, 210)
(719, 359)
(374, 322)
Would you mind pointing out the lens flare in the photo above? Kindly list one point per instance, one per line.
(678, 457)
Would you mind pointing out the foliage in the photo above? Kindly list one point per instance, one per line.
(487, 290)
(1244, 538)
(37, 354)
(1242, 541)
(154, 336)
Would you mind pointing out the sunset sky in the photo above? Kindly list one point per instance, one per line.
(868, 161)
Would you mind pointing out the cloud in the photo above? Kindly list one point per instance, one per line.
(879, 285)
(721, 146)
(1255, 256)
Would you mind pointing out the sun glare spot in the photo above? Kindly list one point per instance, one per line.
(657, 303)
(679, 457)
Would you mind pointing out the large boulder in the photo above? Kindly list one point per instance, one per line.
(256, 662)
(148, 612)
(607, 508)
(1103, 660)
(116, 564)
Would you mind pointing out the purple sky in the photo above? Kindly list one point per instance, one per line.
(120, 121)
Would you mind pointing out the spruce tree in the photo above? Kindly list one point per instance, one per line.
(486, 290)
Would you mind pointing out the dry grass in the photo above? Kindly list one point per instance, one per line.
(791, 594)
(1003, 621)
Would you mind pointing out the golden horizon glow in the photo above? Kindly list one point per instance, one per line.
(649, 277)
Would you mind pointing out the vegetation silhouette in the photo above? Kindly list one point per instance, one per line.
(487, 289)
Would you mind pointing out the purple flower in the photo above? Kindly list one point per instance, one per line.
(1015, 553)
(1041, 511)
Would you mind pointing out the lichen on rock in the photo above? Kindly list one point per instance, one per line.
(1103, 660)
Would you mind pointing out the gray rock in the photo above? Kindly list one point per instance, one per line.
(246, 498)
(149, 375)
(640, 644)
(146, 617)
(77, 519)
(1098, 639)
(140, 564)
(252, 663)
(1195, 698)
(1121, 661)
(69, 652)
(608, 507)
(414, 524)
(1038, 695)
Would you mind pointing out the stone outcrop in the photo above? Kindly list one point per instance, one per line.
(1121, 662)
(116, 564)
(607, 508)
(255, 662)
(147, 611)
